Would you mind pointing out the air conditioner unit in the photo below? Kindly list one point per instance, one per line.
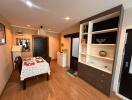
(19, 32)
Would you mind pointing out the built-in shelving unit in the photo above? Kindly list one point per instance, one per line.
(103, 44)
(98, 41)
(105, 31)
(82, 53)
(84, 33)
(104, 58)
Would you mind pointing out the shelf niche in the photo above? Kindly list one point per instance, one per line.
(106, 24)
(104, 38)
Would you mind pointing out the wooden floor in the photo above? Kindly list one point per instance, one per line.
(61, 86)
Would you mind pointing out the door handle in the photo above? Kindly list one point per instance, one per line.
(126, 64)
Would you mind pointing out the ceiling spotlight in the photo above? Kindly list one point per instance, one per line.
(67, 18)
(28, 25)
(29, 3)
(49, 29)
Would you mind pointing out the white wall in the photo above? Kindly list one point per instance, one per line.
(5, 56)
(53, 45)
(127, 23)
(67, 47)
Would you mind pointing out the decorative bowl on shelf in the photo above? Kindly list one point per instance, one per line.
(103, 53)
(100, 41)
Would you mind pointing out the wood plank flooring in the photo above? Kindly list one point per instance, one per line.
(61, 86)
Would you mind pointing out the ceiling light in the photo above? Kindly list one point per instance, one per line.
(29, 3)
(49, 29)
(67, 18)
(28, 25)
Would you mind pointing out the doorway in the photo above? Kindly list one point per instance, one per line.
(125, 87)
(74, 53)
(40, 46)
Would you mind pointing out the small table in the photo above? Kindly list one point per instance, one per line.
(33, 67)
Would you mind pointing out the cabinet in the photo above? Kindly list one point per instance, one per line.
(97, 48)
(99, 79)
(61, 59)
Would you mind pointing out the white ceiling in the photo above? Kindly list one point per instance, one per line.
(51, 13)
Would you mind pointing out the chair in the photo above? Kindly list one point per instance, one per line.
(18, 63)
(44, 56)
(48, 59)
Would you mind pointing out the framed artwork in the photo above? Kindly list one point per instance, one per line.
(24, 42)
(2, 34)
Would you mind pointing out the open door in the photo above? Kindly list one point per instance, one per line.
(40, 46)
(74, 53)
(126, 75)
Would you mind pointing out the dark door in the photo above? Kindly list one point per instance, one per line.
(40, 46)
(126, 76)
(74, 53)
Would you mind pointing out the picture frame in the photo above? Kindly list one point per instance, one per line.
(25, 44)
(2, 34)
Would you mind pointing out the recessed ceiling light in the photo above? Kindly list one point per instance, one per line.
(28, 25)
(29, 3)
(67, 18)
(49, 29)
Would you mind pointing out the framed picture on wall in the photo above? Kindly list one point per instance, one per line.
(2, 34)
(24, 42)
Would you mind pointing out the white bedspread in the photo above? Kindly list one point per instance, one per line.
(36, 69)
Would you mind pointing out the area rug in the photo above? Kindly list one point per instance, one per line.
(72, 73)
